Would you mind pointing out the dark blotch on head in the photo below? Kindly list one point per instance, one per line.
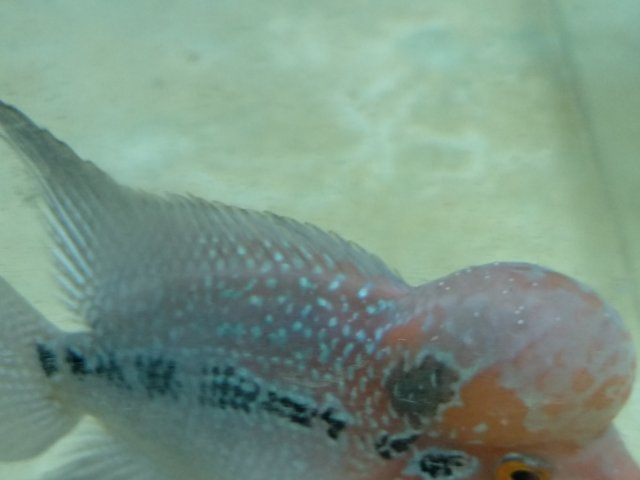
(417, 393)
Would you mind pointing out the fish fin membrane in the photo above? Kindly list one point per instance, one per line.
(90, 453)
(30, 418)
(119, 251)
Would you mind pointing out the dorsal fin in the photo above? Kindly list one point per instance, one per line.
(118, 249)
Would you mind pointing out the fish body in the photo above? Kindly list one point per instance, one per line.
(225, 343)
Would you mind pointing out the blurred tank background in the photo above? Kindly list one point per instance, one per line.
(436, 134)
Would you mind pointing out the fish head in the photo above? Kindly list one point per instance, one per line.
(528, 368)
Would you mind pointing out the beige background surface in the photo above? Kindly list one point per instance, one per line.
(434, 135)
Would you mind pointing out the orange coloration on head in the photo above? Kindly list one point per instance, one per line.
(582, 381)
(544, 365)
(489, 414)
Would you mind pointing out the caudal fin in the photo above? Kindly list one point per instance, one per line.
(30, 418)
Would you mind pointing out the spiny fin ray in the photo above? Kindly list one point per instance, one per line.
(115, 246)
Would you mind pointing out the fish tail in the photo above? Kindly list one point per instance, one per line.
(30, 417)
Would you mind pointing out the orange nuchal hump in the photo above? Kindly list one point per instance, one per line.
(541, 357)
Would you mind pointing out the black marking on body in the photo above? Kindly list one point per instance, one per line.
(102, 365)
(222, 387)
(48, 359)
(418, 393)
(336, 424)
(76, 362)
(436, 463)
(294, 410)
(390, 446)
(108, 368)
(157, 375)
(303, 412)
(441, 465)
(225, 387)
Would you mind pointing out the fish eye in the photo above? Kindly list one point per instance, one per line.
(520, 469)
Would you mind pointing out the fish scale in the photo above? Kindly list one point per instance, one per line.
(226, 343)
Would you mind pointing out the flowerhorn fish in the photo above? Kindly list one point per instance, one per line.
(227, 344)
